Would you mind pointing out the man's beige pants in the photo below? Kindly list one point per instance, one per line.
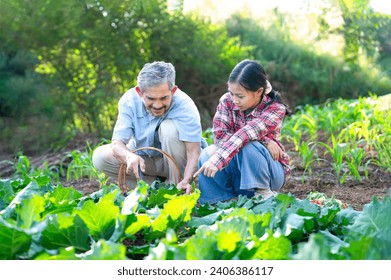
(104, 160)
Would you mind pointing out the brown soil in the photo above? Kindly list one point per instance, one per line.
(322, 179)
(353, 192)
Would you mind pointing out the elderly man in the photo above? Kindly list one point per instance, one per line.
(155, 113)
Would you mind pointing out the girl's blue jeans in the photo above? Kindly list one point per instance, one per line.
(250, 169)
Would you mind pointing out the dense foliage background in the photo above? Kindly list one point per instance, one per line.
(65, 64)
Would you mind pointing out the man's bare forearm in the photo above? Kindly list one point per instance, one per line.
(193, 150)
(120, 151)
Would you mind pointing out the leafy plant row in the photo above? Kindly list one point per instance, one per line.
(40, 220)
(348, 135)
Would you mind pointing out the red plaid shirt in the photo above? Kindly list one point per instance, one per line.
(232, 129)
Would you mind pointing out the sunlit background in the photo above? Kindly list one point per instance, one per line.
(300, 16)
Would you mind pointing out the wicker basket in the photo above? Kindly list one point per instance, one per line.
(171, 162)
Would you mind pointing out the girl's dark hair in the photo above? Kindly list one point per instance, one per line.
(251, 75)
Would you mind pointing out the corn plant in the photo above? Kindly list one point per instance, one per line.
(336, 150)
(81, 166)
(310, 124)
(356, 131)
(24, 169)
(303, 124)
(22, 165)
(383, 151)
(306, 153)
(355, 161)
(332, 120)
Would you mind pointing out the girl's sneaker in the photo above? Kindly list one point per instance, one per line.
(265, 193)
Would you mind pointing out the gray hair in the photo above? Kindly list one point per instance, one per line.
(156, 73)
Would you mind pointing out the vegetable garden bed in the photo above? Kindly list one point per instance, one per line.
(40, 220)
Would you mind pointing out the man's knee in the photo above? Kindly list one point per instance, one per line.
(101, 156)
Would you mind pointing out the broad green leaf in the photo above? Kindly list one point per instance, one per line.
(208, 220)
(346, 216)
(237, 215)
(171, 236)
(333, 241)
(364, 249)
(273, 248)
(159, 197)
(105, 250)
(6, 192)
(295, 226)
(304, 208)
(244, 201)
(166, 251)
(205, 210)
(143, 221)
(100, 218)
(282, 203)
(44, 183)
(176, 211)
(222, 239)
(136, 196)
(208, 251)
(227, 240)
(178, 205)
(61, 195)
(327, 215)
(317, 248)
(122, 222)
(61, 254)
(29, 211)
(374, 222)
(25, 194)
(264, 206)
(256, 223)
(13, 241)
(158, 227)
(64, 230)
(95, 196)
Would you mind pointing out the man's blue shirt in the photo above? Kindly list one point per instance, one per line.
(134, 121)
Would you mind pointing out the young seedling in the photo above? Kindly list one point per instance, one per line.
(336, 150)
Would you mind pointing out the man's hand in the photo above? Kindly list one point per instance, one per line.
(274, 150)
(209, 170)
(133, 162)
(182, 185)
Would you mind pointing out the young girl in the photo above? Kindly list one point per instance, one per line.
(247, 157)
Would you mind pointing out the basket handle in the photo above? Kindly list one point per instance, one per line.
(171, 162)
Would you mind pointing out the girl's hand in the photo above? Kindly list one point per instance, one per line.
(274, 150)
(209, 170)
